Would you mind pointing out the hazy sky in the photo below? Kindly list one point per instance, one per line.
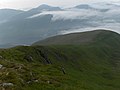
(25, 4)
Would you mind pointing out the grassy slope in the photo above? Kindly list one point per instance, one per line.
(94, 66)
(73, 38)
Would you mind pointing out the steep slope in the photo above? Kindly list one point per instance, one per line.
(92, 66)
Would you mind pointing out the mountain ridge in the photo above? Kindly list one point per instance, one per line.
(75, 38)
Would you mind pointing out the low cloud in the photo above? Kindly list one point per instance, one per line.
(106, 26)
(104, 20)
(69, 14)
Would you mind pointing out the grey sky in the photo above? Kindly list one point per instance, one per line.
(24, 4)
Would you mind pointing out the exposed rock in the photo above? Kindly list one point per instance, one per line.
(7, 73)
(6, 84)
(28, 58)
(48, 82)
(1, 57)
(45, 56)
(36, 81)
(33, 81)
(29, 82)
(31, 74)
(1, 66)
(63, 70)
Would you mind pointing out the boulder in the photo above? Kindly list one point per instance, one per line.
(7, 84)
(1, 66)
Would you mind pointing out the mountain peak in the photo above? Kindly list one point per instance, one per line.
(83, 6)
(48, 8)
(44, 6)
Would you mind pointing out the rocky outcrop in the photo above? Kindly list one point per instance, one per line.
(1, 57)
(44, 55)
(28, 58)
(1, 66)
(6, 84)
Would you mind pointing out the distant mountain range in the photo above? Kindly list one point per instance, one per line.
(25, 27)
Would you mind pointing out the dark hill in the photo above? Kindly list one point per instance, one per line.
(84, 6)
(81, 38)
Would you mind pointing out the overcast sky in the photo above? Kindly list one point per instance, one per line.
(26, 4)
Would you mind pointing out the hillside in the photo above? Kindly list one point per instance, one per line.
(91, 66)
(78, 38)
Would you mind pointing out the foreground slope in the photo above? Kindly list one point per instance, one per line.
(91, 66)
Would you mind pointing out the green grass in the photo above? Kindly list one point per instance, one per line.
(87, 68)
(94, 66)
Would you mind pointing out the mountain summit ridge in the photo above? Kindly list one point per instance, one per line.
(78, 38)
